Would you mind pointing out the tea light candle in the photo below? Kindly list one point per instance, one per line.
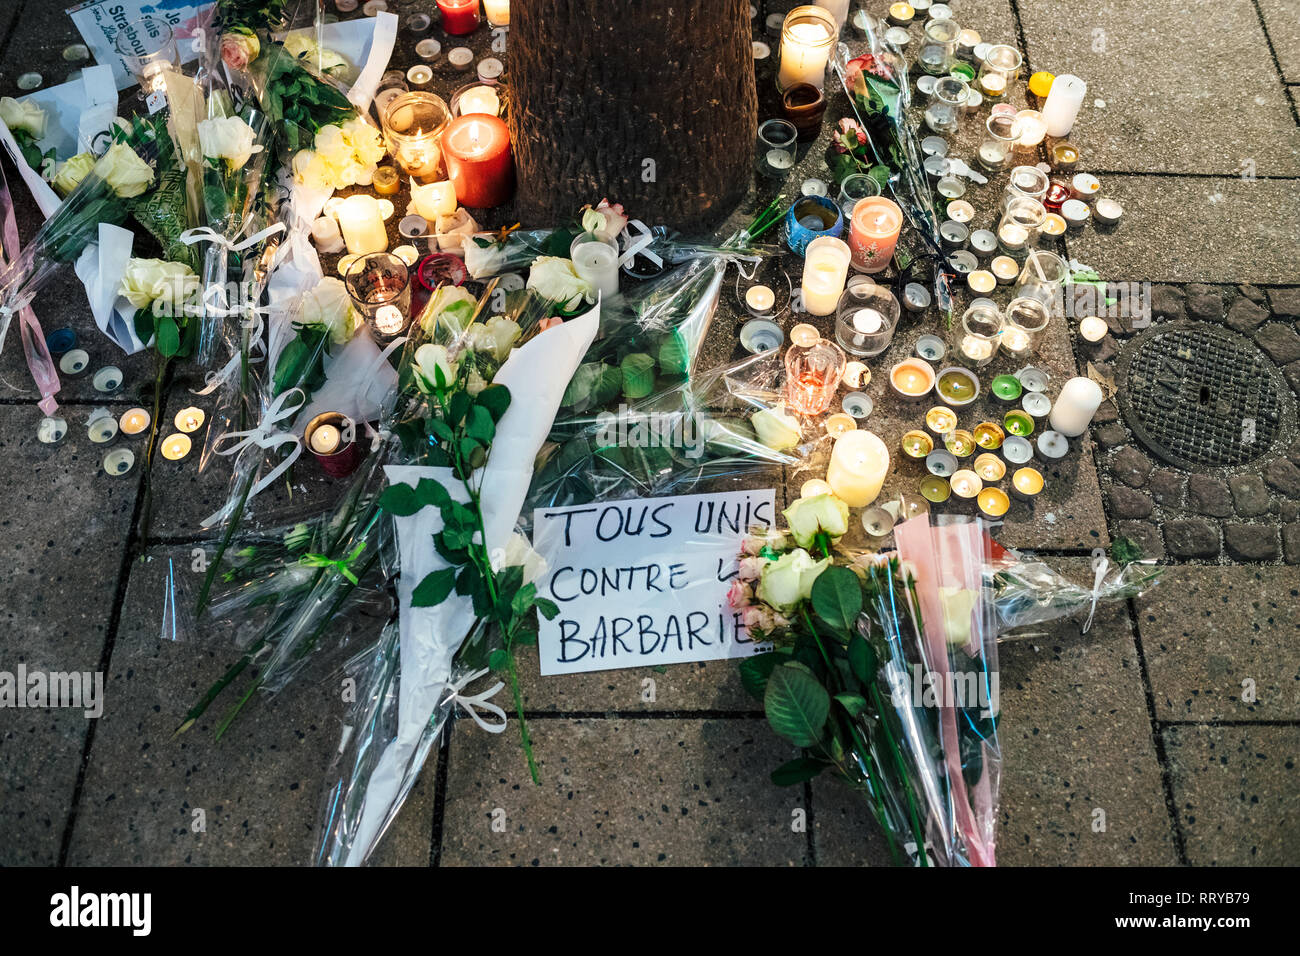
(118, 462)
(176, 447)
(460, 57)
(984, 241)
(1063, 104)
(1032, 128)
(345, 263)
(989, 435)
(917, 444)
(993, 502)
(1092, 328)
(958, 386)
(1015, 340)
(1074, 408)
(1064, 155)
(960, 442)
(873, 233)
(325, 439)
(840, 424)
(814, 487)
(419, 75)
(362, 222)
(1006, 387)
(489, 70)
(759, 299)
(1013, 236)
(961, 211)
(941, 463)
(1108, 211)
(479, 99)
(760, 335)
(428, 49)
(1027, 482)
(930, 348)
(325, 233)
(806, 46)
(1017, 450)
(497, 11)
(1053, 224)
(912, 378)
(1076, 213)
(385, 181)
(1033, 379)
(479, 163)
(434, 200)
(877, 522)
(857, 404)
(408, 254)
(935, 490)
(981, 281)
(859, 462)
(134, 421)
(1005, 269)
(1017, 423)
(856, 375)
(825, 269)
(189, 419)
(940, 420)
(901, 14)
(965, 483)
(1053, 445)
(1085, 186)
(990, 467)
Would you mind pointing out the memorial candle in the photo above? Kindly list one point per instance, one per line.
(434, 200)
(858, 466)
(479, 164)
(497, 11)
(1078, 402)
(825, 269)
(873, 233)
(807, 37)
(459, 17)
(1063, 104)
(362, 223)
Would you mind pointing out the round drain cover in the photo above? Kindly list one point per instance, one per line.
(1197, 395)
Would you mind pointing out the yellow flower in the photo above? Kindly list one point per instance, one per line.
(72, 172)
(126, 173)
(18, 115)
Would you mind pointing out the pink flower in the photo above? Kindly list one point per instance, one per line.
(847, 134)
(238, 47)
(739, 594)
(549, 323)
(758, 618)
(751, 568)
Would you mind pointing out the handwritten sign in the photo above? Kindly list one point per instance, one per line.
(644, 582)
(98, 22)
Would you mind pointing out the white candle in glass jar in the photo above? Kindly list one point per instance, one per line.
(497, 12)
(805, 49)
(825, 270)
(362, 222)
(1063, 104)
(859, 463)
(1078, 402)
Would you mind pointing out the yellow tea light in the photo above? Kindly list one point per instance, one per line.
(176, 447)
(981, 281)
(345, 263)
(408, 254)
(965, 483)
(386, 181)
(993, 502)
(989, 435)
(189, 419)
(917, 444)
(940, 420)
(1027, 482)
(912, 378)
(814, 487)
(1053, 225)
(839, 423)
(804, 335)
(990, 467)
(133, 421)
(960, 442)
(935, 490)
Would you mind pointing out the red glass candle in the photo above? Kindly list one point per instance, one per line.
(459, 16)
(479, 164)
(1057, 193)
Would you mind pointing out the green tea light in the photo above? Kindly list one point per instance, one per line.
(958, 386)
(935, 490)
(1007, 388)
(1018, 423)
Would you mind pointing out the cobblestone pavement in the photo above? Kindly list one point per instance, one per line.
(1178, 715)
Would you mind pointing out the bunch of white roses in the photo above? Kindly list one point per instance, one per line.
(341, 156)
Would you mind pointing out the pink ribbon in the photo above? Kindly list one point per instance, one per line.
(35, 350)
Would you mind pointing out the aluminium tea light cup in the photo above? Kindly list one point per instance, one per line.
(1006, 388)
(950, 187)
(963, 262)
(953, 233)
(1108, 211)
(460, 57)
(993, 502)
(118, 462)
(1052, 445)
(760, 335)
(761, 50)
(857, 404)
(856, 375)
(1076, 213)
(839, 424)
(990, 467)
(936, 167)
(981, 281)
(989, 435)
(418, 22)
(101, 427)
(419, 75)
(931, 348)
(961, 211)
(1054, 224)
(1027, 483)
(1017, 450)
(966, 484)
(428, 49)
(412, 227)
(877, 522)
(957, 386)
(1036, 403)
(1004, 268)
(51, 430)
(912, 378)
(133, 421)
(74, 362)
(900, 14)
(1033, 379)
(814, 487)
(941, 463)
(774, 23)
(925, 86)
(916, 297)
(1017, 423)
(189, 420)
(898, 36)
(917, 444)
(934, 489)
(984, 241)
(960, 442)
(108, 379)
(933, 145)
(941, 419)
(175, 447)
(489, 70)
(1085, 186)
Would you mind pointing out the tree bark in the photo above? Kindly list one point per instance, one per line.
(650, 104)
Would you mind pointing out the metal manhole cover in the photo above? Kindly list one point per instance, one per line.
(1197, 395)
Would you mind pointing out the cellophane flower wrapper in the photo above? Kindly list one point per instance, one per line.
(704, 434)
(1028, 592)
(948, 556)
(487, 256)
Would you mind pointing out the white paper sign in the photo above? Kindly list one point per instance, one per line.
(644, 582)
(99, 20)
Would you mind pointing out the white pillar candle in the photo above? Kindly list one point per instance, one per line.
(362, 222)
(858, 466)
(806, 47)
(825, 270)
(325, 232)
(597, 262)
(1078, 402)
(479, 99)
(1063, 104)
(498, 12)
(839, 9)
(434, 200)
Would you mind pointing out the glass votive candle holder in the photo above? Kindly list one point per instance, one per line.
(775, 152)
(1002, 132)
(809, 218)
(865, 319)
(1032, 129)
(1043, 277)
(938, 46)
(856, 187)
(413, 123)
(804, 106)
(999, 70)
(976, 340)
(873, 233)
(379, 284)
(813, 373)
(943, 113)
(1025, 182)
(1025, 323)
(1019, 228)
(148, 48)
(808, 36)
(459, 17)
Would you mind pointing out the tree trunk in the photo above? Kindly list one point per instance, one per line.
(650, 104)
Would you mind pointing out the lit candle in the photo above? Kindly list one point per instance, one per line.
(1032, 128)
(362, 222)
(176, 447)
(479, 99)
(1078, 402)
(1015, 340)
(134, 421)
(759, 299)
(839, 424)
(989, 435)
(386, 181)
(325, 233)
(479, 163)
(873, 233)
(1063, 104)
(993, 502)
(1013, 236)
(189, 419)
(325, 440)
(1005, 269)
(990, 467)
(917, 444)
(940, 420)
(807, 38)
(1092, 328)
(596, 260)
(965, 483)
(459, 17)
(1027, 482)
(498, 12)
(912, 378)
(814, 487)
(859, 462)
(825, 269)
(981, 281)
(960, 442)
(901, 14)
(995, 84)
(935, 489)
(434, 200)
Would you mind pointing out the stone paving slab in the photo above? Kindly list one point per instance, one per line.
(1206, 631)
(1182, 94)
(622, 791)
(259, 786)
(1189, 229)
(1237, 793)
(1284, 31)
(65, 527)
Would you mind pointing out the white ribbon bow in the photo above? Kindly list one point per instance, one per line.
(1100, 565)
(204, 234)
(265, 436)
(472, 704)
(638, 243)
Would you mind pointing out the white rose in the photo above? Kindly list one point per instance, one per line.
(70, 173)
(228, 138)
(502, 334)
(519, 553)
(789, 579)
(429, 359)
(159, 284)
(329, 305)
(18, 115)
(126, 173)
(808, 517)
(776, 428)
(302, 47)
(554, 278)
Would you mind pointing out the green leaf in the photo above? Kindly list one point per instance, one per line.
(754, 672)
(855, 704)
(433, 590)
(837, 598)
(496, 399)
(797, 771)
(862, 659)
(458, 407)
(168, 341)
(547, 608)
(638, 375)
(481, 428)
(499, 659)
(400, 500)
(430, 492)
(673, 354)
(796, 705)
(467, 580)
(441, 429)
